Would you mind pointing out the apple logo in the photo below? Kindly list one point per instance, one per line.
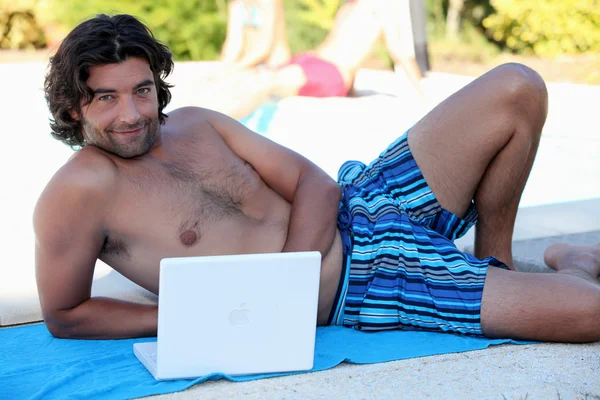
(240, 317)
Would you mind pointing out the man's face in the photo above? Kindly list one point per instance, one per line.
(123, 115)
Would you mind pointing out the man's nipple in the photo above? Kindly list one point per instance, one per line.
(188, 238)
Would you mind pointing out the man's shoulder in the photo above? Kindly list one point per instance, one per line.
(83, 185)
(191, 116)
(189, 111)
(88, 172)
(89, 165)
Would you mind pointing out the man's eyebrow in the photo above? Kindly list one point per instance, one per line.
(103, 90)
(147, 82)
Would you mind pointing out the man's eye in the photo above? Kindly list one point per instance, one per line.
(143, 90)
(105, 97)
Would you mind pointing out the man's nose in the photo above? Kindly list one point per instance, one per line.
(129, 112)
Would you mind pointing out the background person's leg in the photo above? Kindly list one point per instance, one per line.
(480, 144)
(235, 95)
(395, 20)
(239, 94)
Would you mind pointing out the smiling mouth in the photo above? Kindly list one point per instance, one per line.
(129, 132)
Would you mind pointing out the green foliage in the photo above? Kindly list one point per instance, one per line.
(472, 44)
(436, 16)
(196, 29)
(474, 12)
(317, 13)
(546, 27)
(193, 29)
(19, 28)
(308, 22)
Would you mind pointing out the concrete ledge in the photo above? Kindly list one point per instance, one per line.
(549, 220)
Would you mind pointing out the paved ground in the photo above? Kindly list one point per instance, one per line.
(567, 169)
(530, 372)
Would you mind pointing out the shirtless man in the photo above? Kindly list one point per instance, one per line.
(144, 186)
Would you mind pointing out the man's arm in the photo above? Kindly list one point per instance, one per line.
(261, 46)
(70, 232)
(314, 195)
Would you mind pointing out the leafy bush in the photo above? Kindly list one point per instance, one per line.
(193, 29)
(473, 13)
(308, 22)
(471, 45)
(19, 28)
(546, 27)
(196, 29)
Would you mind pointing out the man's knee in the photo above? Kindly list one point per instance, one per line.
(521, 80)
(524, 92)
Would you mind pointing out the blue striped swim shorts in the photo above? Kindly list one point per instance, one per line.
(401, 268)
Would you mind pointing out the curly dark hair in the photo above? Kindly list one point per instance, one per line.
(97, 41)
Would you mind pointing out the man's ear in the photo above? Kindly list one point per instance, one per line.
(74, 114)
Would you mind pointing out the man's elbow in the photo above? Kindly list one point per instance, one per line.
(332, 190)
(60, 325)
(320, 184)
(327, 185)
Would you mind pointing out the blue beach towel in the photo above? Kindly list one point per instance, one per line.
(35, 365)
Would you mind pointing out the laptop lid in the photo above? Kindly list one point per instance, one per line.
(238, 314)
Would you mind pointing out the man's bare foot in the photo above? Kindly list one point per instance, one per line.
(566, 258)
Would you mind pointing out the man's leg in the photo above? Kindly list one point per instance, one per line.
(562, 307)
(480, 145)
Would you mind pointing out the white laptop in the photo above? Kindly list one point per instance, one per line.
(236, 315)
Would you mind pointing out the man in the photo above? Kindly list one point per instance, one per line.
(145, 186)
(329, 70)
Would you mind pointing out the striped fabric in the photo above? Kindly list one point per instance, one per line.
(402, 269)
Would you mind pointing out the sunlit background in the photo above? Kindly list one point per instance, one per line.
(560, 38)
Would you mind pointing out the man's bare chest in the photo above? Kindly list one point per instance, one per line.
(178, 203)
